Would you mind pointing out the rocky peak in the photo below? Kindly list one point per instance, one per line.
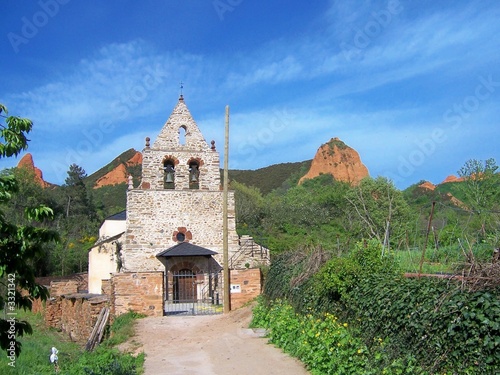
(452, 178)
(427, 185)
(339, 160)
(27, 163)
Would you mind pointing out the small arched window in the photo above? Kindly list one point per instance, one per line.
(182, 135)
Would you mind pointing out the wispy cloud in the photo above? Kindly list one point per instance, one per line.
(410, 69)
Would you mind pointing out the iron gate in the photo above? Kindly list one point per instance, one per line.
(189, 293)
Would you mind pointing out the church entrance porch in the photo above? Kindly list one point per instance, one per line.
(190, 293)
(193, 280)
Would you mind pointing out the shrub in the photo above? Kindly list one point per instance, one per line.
(443, 327)
(325, 344)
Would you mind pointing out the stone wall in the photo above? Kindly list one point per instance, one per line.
(79, 314)
(65, 284)
(69, 310)
(153, 216)
(245, 286)
(142, 292)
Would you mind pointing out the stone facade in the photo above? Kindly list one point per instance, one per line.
(154, 217)
(191, 203)
(179, 200)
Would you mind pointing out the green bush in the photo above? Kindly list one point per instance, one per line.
(442, 326)
(325, 344)
(339, 275)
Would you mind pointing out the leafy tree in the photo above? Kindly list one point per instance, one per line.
(78, 200)
(31, 194)
(481, 191)
(312, 213)
(379, 209)
(19, 244)
(77, 225)
(249, 208)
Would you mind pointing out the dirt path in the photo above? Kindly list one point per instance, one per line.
(210, 345)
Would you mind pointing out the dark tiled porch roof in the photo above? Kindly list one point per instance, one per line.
(185, 249)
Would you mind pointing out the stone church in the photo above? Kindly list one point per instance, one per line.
(173, 223)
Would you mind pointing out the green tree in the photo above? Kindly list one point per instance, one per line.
(312, 213)
(31, 194)
(78, 200)
(481, 191)
(77, 225)
(249, 208)
(379, 210)
(19, 244)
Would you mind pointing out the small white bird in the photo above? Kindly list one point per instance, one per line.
(53, 356)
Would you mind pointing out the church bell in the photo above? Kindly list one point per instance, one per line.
(169, 177)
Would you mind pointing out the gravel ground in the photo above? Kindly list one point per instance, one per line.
(209, 345)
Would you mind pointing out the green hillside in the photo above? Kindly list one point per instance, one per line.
(273, 177)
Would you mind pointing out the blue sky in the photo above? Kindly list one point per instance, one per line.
(413, 86)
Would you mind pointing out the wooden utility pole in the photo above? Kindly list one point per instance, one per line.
(227, 281)
(429, 225)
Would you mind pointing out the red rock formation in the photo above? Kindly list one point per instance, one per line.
(452, 178)
(136, 159)
(119, 174)
(427, 185)
(27, 163)
(339, 160)
(113, 177)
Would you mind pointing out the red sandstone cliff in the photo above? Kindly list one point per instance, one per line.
(119, 174)
(339, 160)
(452, 178)
(427, 185)
(27, 163)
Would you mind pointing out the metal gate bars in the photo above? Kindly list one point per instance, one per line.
(189, 293)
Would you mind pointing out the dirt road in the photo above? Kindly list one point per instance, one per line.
(210, 345)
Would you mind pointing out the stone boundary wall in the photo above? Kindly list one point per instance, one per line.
(245, 286)
(61, 284)
(142, 292)
(68, 310)
(79, 314)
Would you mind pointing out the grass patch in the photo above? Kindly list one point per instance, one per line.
(446, 259)
(73, 360)
(409, 261)
(122, 329)
(34, 358)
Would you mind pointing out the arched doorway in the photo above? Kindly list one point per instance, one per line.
(184, 286)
